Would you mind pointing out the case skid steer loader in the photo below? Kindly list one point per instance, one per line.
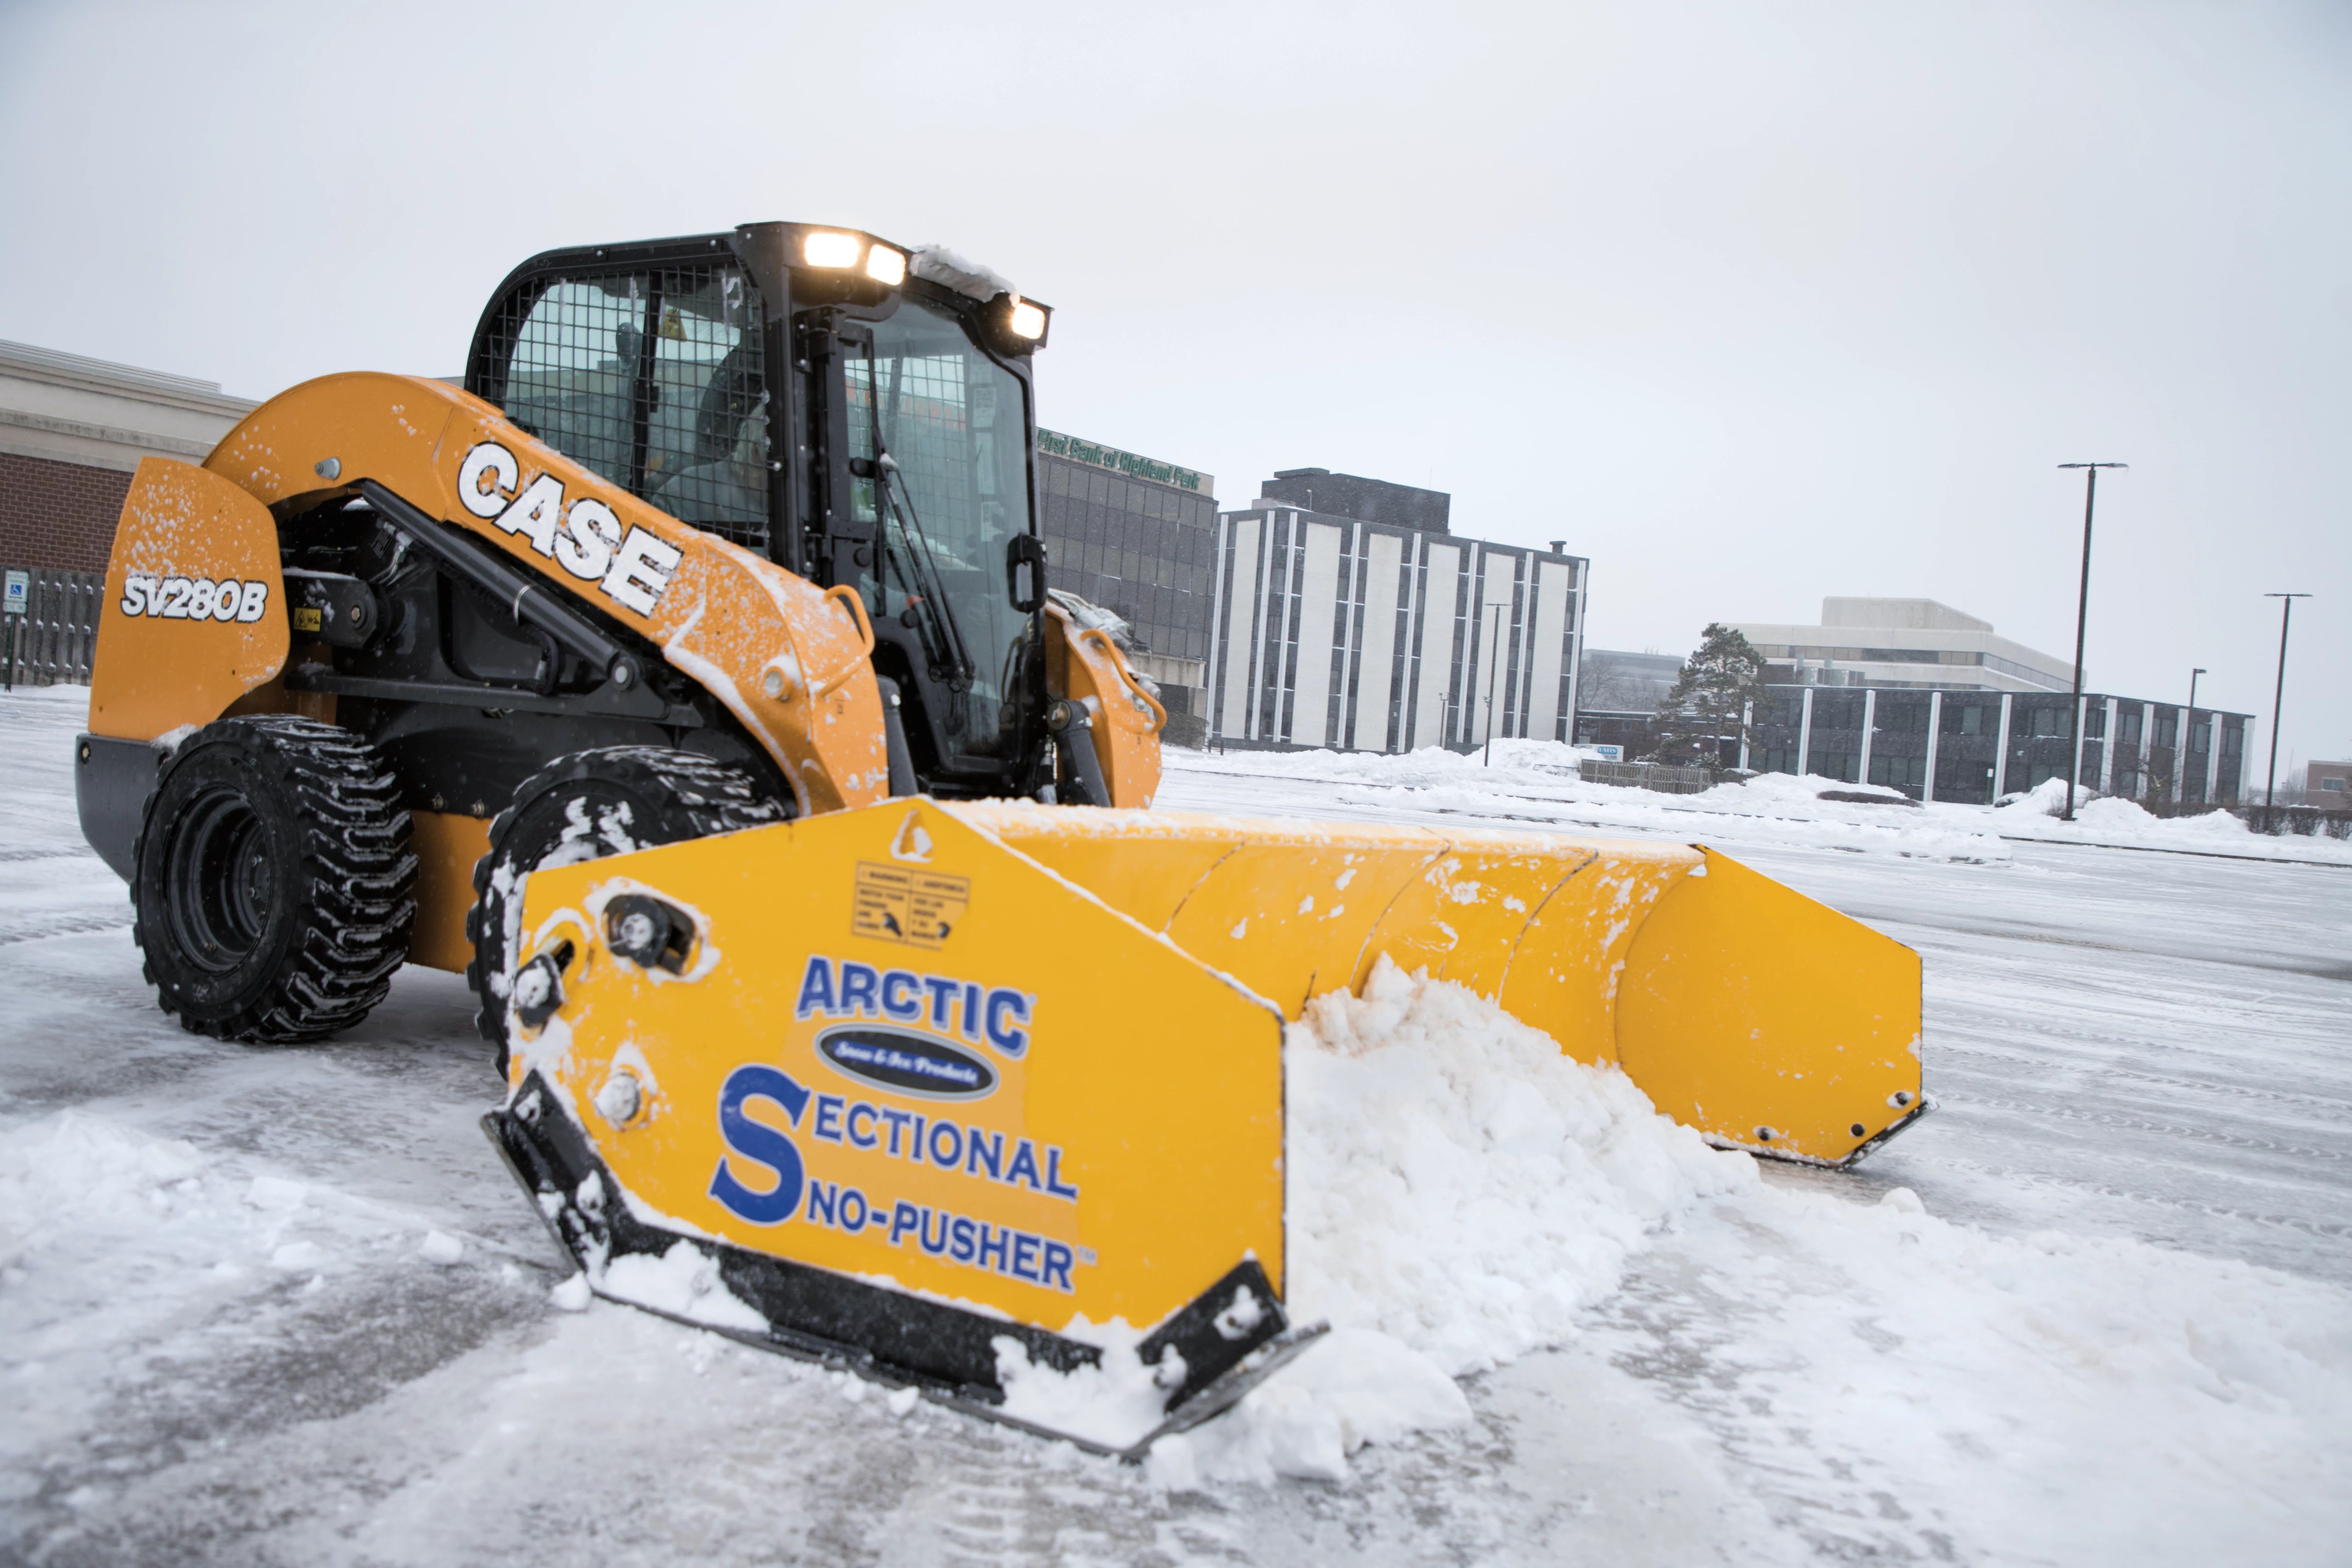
(689, 681)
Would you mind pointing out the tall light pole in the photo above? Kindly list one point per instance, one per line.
(2278, 696)
(1494, 668)
(2181, 752)
(2083, 610)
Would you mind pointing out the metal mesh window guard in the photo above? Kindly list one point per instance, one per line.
(707, 420)
(654, 380)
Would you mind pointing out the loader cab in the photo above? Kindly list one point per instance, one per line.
(858, 412)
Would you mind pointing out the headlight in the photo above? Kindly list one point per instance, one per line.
(1026, 320)
(830, 250)
(886, 266)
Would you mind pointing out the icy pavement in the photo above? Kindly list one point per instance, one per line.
(284, 1306)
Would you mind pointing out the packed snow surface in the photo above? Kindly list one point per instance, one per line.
(1536, 781)
(283, 1306)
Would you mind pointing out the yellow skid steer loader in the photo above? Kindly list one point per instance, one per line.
(689, 681)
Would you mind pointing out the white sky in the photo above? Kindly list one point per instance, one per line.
(1749, 304)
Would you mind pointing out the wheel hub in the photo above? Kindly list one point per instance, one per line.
(222, 879)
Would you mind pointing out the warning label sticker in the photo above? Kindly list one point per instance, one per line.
(897, 904)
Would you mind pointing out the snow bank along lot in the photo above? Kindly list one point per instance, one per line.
(283, 1306)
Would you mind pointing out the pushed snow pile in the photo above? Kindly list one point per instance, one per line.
(2112, 819)
(1459, 1183)
(1115, 1403)
(2047, 798)
(682, 1282)
(1459, 1191)
(66, 1175)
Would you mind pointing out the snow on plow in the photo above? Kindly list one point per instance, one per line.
(948, 1093)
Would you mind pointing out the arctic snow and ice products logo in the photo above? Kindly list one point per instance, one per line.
(194, 598)
(906, 1064)
(631, 567)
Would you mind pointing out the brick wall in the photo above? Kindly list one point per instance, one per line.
(57, 515)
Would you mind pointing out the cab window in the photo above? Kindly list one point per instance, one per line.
(653, 379)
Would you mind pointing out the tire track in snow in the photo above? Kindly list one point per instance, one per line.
(2140, 1124)
(64, 925)
(982, 1508)
(2046, 1181)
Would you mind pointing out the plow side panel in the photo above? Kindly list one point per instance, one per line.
(900, 1052)
(1565, 976)
(1768, 1021)
(1738, 1005)
(1539, 923)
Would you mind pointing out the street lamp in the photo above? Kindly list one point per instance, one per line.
(2082, 611)
(2192, 689)
(2278, 696)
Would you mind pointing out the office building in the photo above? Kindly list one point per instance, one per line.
(1617, 698)
(1134, 536)
(1385, 631)
(1974, 745)
(1902, 643)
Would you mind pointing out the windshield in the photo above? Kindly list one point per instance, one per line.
(953, 421)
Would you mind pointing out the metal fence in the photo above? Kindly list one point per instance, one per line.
(1657, 776)
(50, 644)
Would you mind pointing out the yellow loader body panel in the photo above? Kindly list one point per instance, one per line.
(719, 613)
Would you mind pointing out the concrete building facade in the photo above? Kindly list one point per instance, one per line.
(1361, 635)
(1898, 643)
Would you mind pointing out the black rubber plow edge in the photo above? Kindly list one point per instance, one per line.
(816, 1315)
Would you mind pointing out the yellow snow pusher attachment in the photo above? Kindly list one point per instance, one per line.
(690, 680)
(923, 1085)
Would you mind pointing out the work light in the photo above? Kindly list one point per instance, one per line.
(886, 266)
(822, 249)
(1027, 321)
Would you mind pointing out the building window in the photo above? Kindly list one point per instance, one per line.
(2040, 721)
(1898, 773)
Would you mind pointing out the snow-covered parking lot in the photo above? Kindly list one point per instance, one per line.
(264, 1306)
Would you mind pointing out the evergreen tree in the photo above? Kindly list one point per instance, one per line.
(1718, 685)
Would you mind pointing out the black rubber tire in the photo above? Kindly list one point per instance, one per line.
(272, 883)
(667, 797)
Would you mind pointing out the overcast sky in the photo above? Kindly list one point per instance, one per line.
(1751, 304)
